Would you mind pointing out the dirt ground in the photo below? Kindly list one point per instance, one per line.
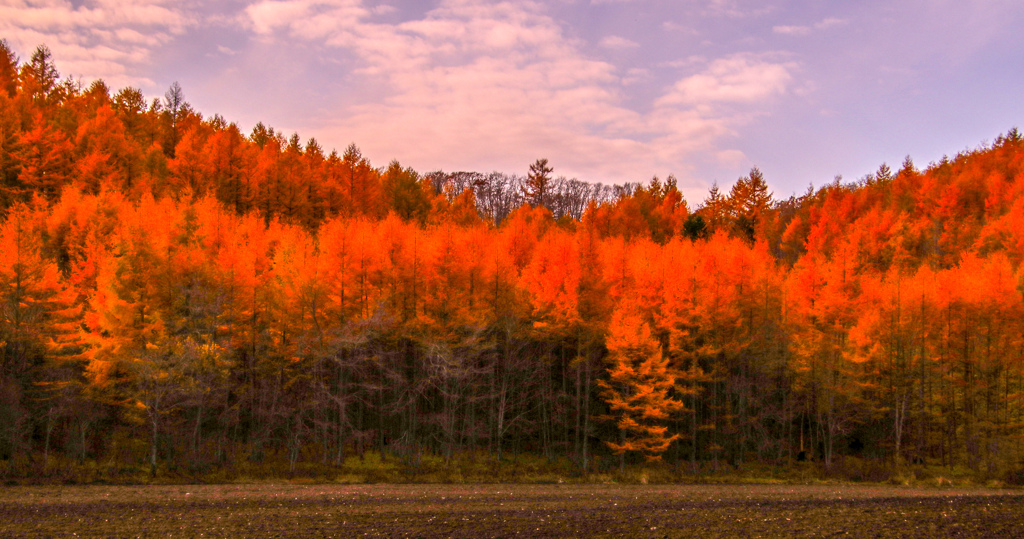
(508, 511)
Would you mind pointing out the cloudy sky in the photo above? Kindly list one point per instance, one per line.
(607, 90)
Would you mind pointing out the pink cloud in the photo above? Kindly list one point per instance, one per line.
(792, 30)
(738, 78)
(97, 39)
(489, 85)
(305, 19)
(616, 42)
(823, 24)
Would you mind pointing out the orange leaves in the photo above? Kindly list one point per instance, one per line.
(44, 155)
(706, 285)
(710, 320)
(453, 276)
(825, 290)
(409, 196)
(981, 284)
(302, 304)
(1005, 234)
(854, 302)
(347, 259)
(639, 386)
(34, 305)
(367, 265)
(520, 232)
(105, 154)
(552, 279)
(190, 166)
(359, 184)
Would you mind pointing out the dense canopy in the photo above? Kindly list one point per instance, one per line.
(174, 290)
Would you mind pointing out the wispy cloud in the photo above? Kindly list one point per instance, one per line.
(672, 26)
(823, 24)
(792, 30)
(617, 42)
(737, 8)
(306, 19)
(97, 38)
(483, 84)
(829, 23)
(740, 78)
(498, 84)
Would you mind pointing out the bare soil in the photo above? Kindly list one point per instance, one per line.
(588, 511)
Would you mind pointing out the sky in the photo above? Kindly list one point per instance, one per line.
(607, 90)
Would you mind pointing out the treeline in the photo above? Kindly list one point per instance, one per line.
(57, 133)
(172, 290)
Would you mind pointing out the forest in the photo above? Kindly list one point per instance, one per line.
(175, 293)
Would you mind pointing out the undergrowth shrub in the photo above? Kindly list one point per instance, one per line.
(126, 462)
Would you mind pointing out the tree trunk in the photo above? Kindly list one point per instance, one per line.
(153, 444)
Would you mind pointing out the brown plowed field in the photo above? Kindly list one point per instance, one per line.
(508, 511)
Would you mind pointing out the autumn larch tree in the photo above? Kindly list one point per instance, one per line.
(536, 189)
(360, 184)
(639, 387)
(403, 193)
(8, 69)
(714, 212)
(34, 316)
(40, 76)
(44, 156)
(749, 201)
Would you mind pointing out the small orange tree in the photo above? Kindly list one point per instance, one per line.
(639, 387)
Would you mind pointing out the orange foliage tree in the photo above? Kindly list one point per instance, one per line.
(639, 389)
